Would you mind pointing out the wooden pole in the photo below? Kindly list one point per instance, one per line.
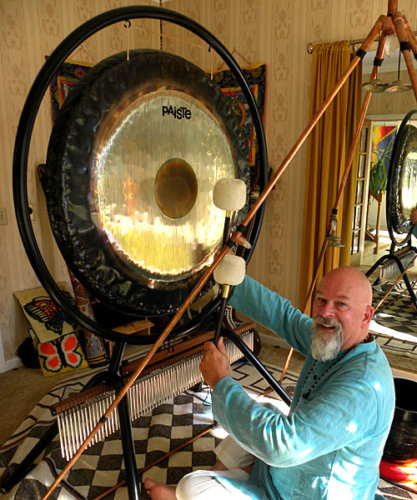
(403, 39)
(374, 74)
(159, 460)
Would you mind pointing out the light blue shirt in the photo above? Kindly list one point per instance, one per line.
(330, 444)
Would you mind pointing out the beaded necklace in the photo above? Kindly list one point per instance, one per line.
(316, 379)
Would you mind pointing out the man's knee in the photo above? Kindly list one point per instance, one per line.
(197, 485)
(188, 486)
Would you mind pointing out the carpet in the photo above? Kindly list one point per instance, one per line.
(157, 432)
(396, 323)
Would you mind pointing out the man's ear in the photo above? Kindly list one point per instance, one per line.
(368, 315)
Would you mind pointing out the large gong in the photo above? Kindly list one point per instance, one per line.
(132, 161)
(111, 175)
(402, 182)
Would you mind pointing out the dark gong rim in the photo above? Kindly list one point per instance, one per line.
(71, 154)
(25, 129)
(396, 222)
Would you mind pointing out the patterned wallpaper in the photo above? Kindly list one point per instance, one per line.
(272, 31)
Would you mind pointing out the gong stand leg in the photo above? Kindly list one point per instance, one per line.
(18, 474)
(112, 377)
(402, 275)
(259, 367)
(405, 46)
(377, 63)
(375, 266)
(11, 478)
(235, 238)
(127, 436)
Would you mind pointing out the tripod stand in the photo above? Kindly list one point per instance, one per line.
(394, 23)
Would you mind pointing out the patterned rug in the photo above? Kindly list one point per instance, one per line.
(395, 318)
(156, 433)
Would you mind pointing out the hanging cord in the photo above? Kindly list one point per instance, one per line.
(161, 33)
(82, 49)
(399, 65)
(127, 25)
(234, 51)
(169, 37)
(162, 36)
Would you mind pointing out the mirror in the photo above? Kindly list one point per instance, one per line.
(385, 114)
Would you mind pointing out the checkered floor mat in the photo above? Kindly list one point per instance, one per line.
(397, 318)
(164, 429)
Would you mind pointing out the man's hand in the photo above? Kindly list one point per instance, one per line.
(413, 216)
(215, 364)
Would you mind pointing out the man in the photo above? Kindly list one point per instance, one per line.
(331, 443)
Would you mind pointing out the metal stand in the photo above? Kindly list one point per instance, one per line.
(111, 376)
(401, 269)
(259, 367)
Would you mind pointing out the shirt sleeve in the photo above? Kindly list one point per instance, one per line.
(314, 429)
(277, 314)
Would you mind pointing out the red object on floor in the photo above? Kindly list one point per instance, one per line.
(406, 471)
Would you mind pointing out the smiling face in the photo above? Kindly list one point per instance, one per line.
(344, 296)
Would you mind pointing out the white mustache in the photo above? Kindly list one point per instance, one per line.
(327, 322)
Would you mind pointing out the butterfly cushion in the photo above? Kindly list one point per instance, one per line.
(46, 319)
(60, 355)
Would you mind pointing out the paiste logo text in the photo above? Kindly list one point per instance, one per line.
(178, 113)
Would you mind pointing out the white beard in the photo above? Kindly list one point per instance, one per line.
(326, 346)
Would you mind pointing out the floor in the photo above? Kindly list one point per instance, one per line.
(22, 388)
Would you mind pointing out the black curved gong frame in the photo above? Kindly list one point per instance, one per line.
(24, 133)
(21, 150)
(393, 215)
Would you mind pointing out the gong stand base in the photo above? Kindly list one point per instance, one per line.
(397, 260)
(112, 377)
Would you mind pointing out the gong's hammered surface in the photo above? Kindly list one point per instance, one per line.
(100, 183)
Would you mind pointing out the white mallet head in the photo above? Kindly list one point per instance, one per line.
(229, 194)
(231, 270)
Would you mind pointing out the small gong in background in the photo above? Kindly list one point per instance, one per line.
(402, 182)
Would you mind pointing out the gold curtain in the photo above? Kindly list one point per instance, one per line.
(328, 148)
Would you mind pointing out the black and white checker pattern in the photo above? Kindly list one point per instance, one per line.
(156, 433)
(397, 318)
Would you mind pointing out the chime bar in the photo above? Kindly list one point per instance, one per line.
(172, 371)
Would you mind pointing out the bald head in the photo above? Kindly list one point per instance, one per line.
(352, 277)
(345, 295)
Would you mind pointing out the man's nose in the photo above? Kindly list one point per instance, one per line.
(327, 310)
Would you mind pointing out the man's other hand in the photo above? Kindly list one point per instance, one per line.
(215, 364)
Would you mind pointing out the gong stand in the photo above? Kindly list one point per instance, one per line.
(393, 23)
(397, 23)
(21, 203)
